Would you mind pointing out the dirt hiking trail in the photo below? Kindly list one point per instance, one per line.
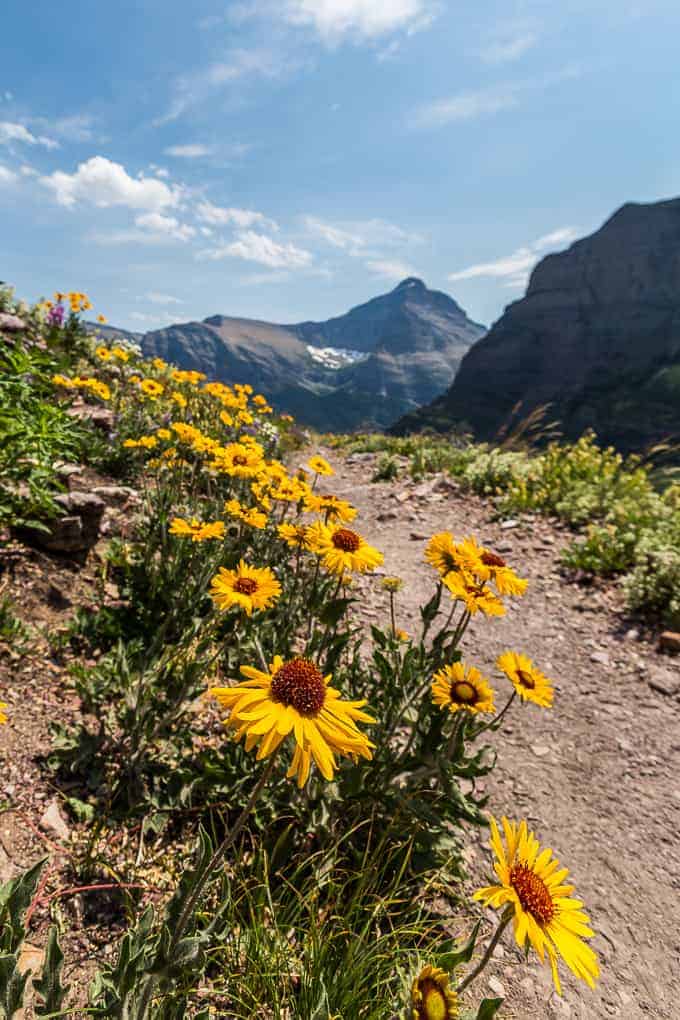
(596, 776)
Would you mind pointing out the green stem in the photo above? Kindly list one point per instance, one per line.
(505, 921)
(494, 722)
(192, 901)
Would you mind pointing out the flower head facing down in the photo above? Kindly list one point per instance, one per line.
(341, 549)
(331, 507)
(528, 681)
(532, 885)
(295, 698)
(489, 566)
(247, 587)
(462, 688)
(431, 997)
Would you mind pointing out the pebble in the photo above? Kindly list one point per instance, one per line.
(497, 987)
(53, 819)
(601, 657)
(540, 750)
(669, 641)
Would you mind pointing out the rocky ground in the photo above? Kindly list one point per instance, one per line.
(595, 776)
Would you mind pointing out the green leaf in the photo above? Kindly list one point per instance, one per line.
(334, 610)
(449, 961)
(49, 985)
(488, 1009)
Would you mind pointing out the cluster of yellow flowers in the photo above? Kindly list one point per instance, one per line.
(92, 385)
(107, 353)
(295, 699)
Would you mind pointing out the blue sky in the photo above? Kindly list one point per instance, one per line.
(286, 159)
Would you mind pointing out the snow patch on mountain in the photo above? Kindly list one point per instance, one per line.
(336, 357)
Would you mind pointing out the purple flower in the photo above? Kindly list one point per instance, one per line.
(55, 316)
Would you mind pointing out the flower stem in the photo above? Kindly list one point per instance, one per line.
(192, 900)
(505, 921)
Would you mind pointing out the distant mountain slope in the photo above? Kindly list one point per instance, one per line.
(359, 370)
(597, 336)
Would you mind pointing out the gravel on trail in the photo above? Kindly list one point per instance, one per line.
(596, 777)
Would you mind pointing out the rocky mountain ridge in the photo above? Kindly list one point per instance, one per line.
(596, 337)
(359, 370)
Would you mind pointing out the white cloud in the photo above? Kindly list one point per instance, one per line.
(255, 247)
(28, 171)
(154, 319)
(161, 299)
(10, 132)
(366, 19)
(391, 270)
(103, 183)
(191, 89)
(360, 238)
(75, 128)
(506, 49)
(485, 102)
(516, 267)
(161, 226)
(7, 176)
(188, 151)
(150, 228)
(218, 216)
(466, 106)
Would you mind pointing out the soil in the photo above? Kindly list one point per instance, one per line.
(595, 776)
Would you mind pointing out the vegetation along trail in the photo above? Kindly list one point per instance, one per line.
(595, 776)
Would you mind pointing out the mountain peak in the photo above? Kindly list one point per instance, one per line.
(410, 283)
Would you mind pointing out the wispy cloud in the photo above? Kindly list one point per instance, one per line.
(509, 42)
(11, 132)
(155, 298)
(102, 183)
(149, 228)
(254, 247)
(239, 65)
(188, 151)
(7, 176)
(515, 268)
(218, 216)
(360, 238)
(391, 270)
(470, 105)
(335, 20)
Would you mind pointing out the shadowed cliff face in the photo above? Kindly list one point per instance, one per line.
(597, 337)
(360, 370)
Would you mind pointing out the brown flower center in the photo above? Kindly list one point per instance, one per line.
(526, 679)
(245, 586)
(463, 692)
(533, 893)
(299, 684)
(346, 540)
(492, 559)
(433, 1005)
(240, 460)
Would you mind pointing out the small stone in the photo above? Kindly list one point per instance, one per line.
(401, 497)
(53, 819)
(11, 323)
(117, 495)
(387, 515)
(503, 547)
(417, 536)
(497, 987)
(663, 681)
(669, 641)
(540, 750)
(633, 634)
(512, 523)
(601, 657)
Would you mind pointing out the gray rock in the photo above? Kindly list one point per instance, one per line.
(11, 323)
(76, 530)
(53, 820)
(597, 338)
(116, 495)
(101, 417)
(664, 681)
